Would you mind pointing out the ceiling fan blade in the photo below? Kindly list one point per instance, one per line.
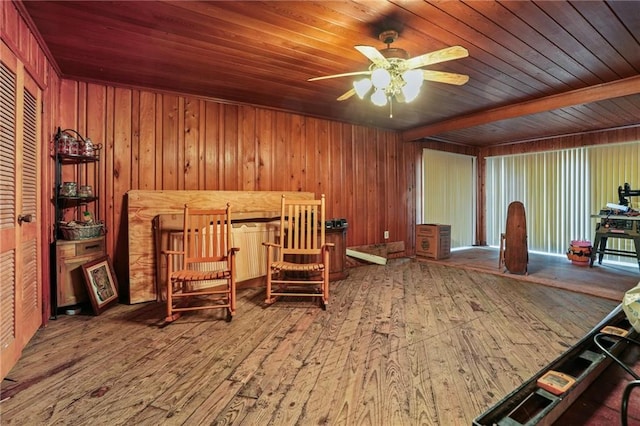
(372, 54)
(447, 54)
(347, 94)
(346, 74)
(445, 77)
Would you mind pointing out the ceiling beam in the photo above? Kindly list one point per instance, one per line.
(599, 92)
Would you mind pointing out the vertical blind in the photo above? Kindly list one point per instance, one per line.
(450, 194)
(560, 191)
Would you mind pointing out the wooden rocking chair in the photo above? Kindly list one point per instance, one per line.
(299, 264)
(204, 271)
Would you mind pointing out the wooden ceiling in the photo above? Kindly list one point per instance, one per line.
(537, 69)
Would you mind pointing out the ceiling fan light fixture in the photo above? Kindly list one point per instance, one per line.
(410, 92)
(362, 87)
(413, 82)
(395, 76)
(379, 97)
(413, 77)
(380, 78)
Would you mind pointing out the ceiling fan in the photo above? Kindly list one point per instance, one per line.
(393, 75)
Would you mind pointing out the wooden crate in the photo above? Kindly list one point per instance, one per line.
(433, 241)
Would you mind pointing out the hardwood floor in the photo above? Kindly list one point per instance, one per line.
(608, 280)
(412, 342)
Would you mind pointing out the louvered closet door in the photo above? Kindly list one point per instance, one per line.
(20, 248)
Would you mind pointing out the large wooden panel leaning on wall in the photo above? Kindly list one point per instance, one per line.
(143, 206)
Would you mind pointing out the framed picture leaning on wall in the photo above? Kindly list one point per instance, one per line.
(101, 282)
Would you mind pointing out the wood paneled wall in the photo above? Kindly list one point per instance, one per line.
(166, 142)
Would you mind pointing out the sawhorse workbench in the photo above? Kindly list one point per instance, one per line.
(625, 227)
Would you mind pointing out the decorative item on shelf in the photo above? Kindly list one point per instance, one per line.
(63, 143)
(73, 146)
(87, 217)
(87, 149)
(69, 189)
(80, 231)
(85, 191)
(70, 142)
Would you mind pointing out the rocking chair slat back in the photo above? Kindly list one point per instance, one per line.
(302, 225)
(207, 236)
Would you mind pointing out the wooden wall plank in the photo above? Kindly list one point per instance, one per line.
(201, 144)
(297, 159)
(324, 160)
(310, 153)
(247, 150)
(212, 136)
(147, 145)
(122, 156)
(170, 143)
(159, 123)
(265, 122)
(335, 179)
(280, 157)
(348, 188)
(191, 143)
(94, 121)
(228, 154)
(371, 186)
(135, 139)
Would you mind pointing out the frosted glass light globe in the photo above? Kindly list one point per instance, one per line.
(410, 92)
(362, 87)
(380, 78)
(413, 78)
(379, 98)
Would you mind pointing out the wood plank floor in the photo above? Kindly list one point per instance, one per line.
(411, 342)
(608, 280)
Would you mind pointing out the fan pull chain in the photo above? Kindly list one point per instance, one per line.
(390, 107)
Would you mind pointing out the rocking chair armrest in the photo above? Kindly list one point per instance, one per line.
(270, 244)
(170, 252)
(327, 246)
(233, 251)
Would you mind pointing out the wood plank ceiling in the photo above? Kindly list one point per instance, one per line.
(536, 69)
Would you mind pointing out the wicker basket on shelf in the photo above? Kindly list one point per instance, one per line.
(81, 232)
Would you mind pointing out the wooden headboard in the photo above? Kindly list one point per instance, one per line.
(144, 206)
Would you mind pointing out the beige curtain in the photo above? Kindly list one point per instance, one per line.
(612, 166)
(560, 191)
(450, 194)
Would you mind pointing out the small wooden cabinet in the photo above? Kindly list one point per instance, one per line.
(70, 256)
(338, 254)
(433, 241)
